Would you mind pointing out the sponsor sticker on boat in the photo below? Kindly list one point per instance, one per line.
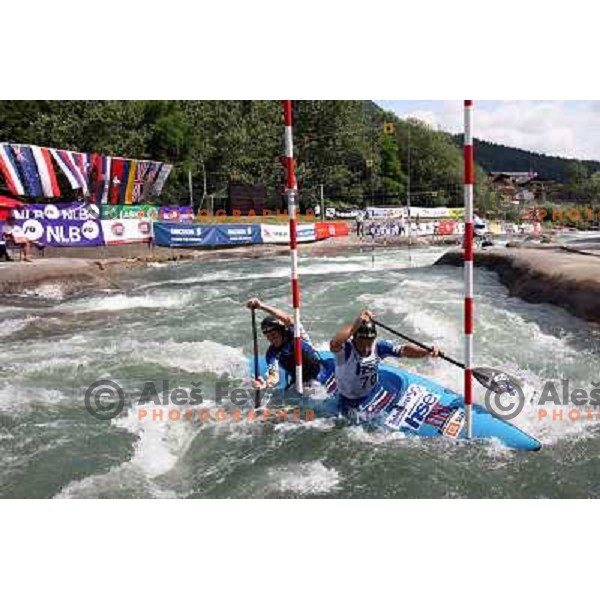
(439, 415)
(417, 415)
(414, 406)
(380, 401)
(454, 424)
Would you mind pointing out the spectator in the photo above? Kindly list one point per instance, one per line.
(15, 233)
(359, 224)
(3, 253)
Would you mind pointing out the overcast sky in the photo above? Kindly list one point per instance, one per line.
(569, 128)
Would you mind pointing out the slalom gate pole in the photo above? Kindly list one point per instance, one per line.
(255, 349)
(292, 194)
(469, 181)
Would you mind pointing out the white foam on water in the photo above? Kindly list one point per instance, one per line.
(42, 361)
(432, 327)
(220, 276)
(119, 481)
(309, 478)
(551, 430)
(367, 261)
(238, 434)
(279, 269)
(378, 437)
(531, 331)
(18, 399)
(504, 338)
(193, 357)
(49, 291)
(160, 443)
(319, 424)
(118, 302)
(496, 450)
(10, 326)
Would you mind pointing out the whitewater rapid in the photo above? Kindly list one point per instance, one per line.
(187, 322)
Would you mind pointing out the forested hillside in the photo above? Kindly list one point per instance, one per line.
(340, 144)
(496, 157)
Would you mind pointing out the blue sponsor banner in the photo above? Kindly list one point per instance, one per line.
(188, 234)
(238, 234)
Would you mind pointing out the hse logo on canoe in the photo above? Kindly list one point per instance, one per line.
(416, 403)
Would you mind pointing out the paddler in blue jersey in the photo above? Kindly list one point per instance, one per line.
(357, 357)
(278, 328)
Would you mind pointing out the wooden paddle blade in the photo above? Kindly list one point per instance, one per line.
(497, 381)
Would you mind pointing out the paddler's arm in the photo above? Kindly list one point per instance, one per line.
(410, 351)
(255, 303)
(346, 332)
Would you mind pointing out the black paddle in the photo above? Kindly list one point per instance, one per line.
(256, 369)
(492, 379)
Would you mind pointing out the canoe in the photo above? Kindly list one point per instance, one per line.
(414, 405)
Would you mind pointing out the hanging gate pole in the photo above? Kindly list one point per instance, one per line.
(469, 181)
(292, 193)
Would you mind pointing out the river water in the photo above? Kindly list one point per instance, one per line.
(186, 322)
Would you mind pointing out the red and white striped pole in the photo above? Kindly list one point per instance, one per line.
(292, 191)
(468, 263)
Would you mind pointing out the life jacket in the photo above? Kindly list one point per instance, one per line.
(311, 363)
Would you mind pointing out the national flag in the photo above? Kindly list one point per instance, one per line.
(79, 162)
(10, 172)
(27, 167)
(88, 164)
(76, 160)
(43, 172)
(161, 178)
(116, 178)
(142, 171)
(85, 164)
(51, 172)
(94, 173)
(64, 162)
(106, 167)
(131, 182)
(124, 180)
(153, 169)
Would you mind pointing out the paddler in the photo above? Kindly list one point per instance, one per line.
(357, 357)
(278, 328)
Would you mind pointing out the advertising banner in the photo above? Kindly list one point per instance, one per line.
(280, 234)
(238, 234)
(176, 213)
(386, 212)
(185, 234)
(322, 231)
(441, 212)
(125, 211)
(397, 212)
(456, 213)
(127, 231)
(339, 229)
(428, 213)
(446, 227)
(180, 234)
(69, 224)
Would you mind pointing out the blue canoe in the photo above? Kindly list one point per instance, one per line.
(414, 405)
